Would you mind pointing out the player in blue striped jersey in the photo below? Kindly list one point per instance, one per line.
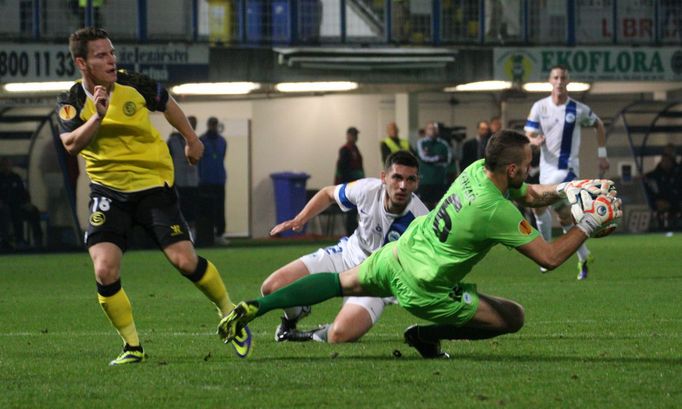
(554, 124)
(386, 206)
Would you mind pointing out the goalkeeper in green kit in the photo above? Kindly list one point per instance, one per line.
(424, 269)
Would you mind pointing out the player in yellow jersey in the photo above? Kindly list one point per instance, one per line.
(105, 118)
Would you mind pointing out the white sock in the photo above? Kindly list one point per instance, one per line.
(583, 252)
(544, 223)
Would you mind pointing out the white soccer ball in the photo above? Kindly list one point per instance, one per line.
(600, 207)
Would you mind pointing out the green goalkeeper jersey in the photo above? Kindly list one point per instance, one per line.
(439, 249)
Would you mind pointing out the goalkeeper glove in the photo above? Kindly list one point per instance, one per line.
(597, 216)
(596, 187)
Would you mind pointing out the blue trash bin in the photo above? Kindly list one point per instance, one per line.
(290, 196)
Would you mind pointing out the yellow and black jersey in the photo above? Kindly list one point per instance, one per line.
(127, 153)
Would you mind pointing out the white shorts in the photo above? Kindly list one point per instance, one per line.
(552, 176)
(331, 260)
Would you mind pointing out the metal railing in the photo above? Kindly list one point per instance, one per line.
(353, 22)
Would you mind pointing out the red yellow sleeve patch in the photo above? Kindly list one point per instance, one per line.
(525, 227)
(67, 112)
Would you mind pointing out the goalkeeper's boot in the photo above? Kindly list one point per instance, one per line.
(243, 342)
(583, 267)
(427, 349)
(289, 324)
(234, 323)
(130, 355)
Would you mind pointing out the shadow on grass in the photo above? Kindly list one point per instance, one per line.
(472, 357)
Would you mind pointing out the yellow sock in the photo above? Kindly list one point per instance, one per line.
(117, 307)
(211, 284)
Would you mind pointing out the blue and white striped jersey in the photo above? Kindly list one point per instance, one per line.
(560, 126)
(376, 226)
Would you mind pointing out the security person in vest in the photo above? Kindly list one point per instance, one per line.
(392, 143)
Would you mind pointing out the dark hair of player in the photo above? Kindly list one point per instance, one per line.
(78, 40)
(504, 148)
(401, 158)
(558, 67)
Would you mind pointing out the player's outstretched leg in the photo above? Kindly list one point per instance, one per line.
(207, 279)
(211, 284)
(309, 290)
(280, 279)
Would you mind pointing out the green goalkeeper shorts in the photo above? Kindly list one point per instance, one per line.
(382, 275)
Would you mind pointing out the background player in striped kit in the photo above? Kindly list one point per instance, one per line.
(554, 125)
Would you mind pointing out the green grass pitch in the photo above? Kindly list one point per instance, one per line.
(613, 341)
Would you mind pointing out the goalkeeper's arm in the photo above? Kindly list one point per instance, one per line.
(539, 196)
(545, 195)
(551, 255)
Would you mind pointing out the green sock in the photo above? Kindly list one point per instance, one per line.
(309, 290)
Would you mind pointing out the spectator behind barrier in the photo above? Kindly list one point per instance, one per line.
(16, 205)
(186, 176)
(664, 187)
(349, 168)
(213, 175)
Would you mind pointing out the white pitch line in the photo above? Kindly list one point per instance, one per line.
(91, 334)
(375, 334)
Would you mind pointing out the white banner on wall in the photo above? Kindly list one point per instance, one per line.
(35, 62)
(589, 64)
(52, 62)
